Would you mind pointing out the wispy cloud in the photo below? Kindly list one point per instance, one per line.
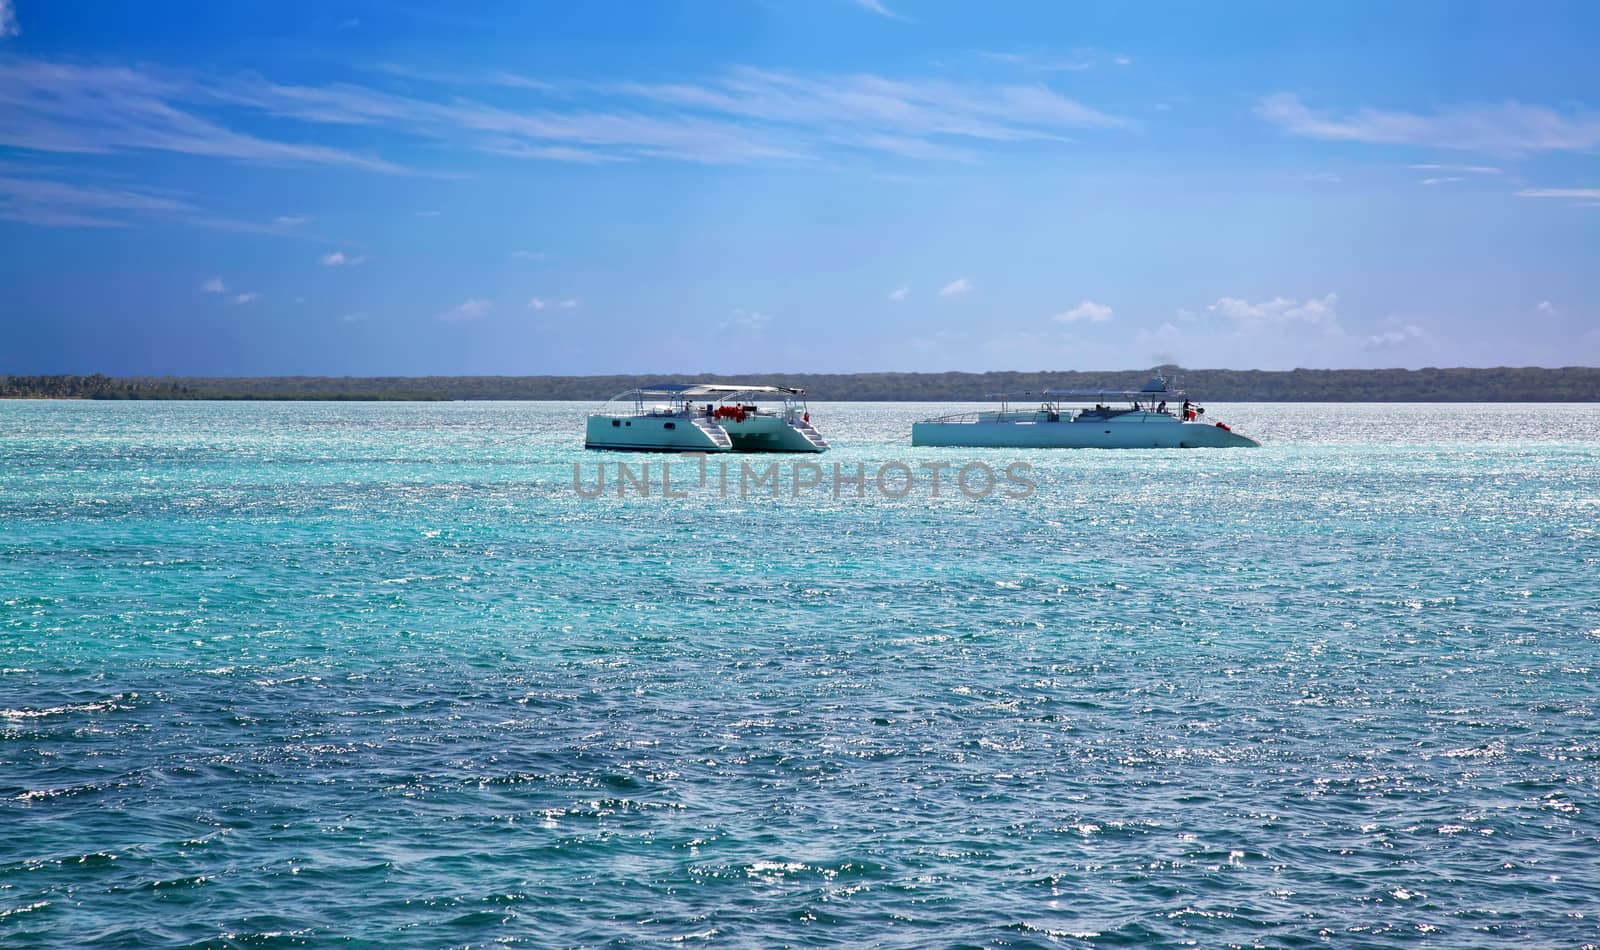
(214, 285)
(58, 107)
(1078, 61)
(8, 20)
(62, 204)
(1546, 307)
(957, 287)
(244, 298)
(743, 115)
(749, 320)
(876, 6)
(540, 303)
(1086, 312)
(1399, 336)
(529, 256)
(1505, 128)
(470, 309)
(1457, 169)
(291, 220)
(900, 293)
(1580, 194)
(1445, 180)
(340, 259)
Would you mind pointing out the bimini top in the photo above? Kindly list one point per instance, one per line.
(691, 390)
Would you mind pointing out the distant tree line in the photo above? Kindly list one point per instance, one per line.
(98, 386)
(1499, 384)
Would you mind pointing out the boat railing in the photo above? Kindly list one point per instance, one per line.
(995, 415)
(1051, 412)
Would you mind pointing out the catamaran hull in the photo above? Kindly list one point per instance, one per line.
(758, 433)
(1079, 435)
(650, 434)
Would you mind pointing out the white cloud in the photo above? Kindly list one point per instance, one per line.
(957, 287)
(900, 293)
(1087, 311)
(1279, 311)
(245, 298)
(539, 303)
(876, 6)
(745, 320)
(529, 256)
(341, 259)
(1279, 333)
(8, 20)
(1581, 194)
(290, 220)
(1398, 336)
(353, 318)
(1445, 180)
(214, 286)
(1505, 128)
(1459, 169)
(1545, 306)
(470, 309)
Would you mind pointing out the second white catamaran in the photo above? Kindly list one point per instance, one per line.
(1155, 417)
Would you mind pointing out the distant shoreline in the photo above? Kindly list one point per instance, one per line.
(1572, 384)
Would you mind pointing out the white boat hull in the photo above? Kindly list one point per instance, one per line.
(1133, 430)
(764, 433)
(677, 433)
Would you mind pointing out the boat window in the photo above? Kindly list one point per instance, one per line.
(669, 425)
(616, 422)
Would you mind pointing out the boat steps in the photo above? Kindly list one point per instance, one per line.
(810, 433)
(718, 434)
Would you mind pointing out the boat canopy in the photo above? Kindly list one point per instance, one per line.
(694, 390)
(677, 396)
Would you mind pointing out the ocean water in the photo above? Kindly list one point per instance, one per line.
(377, 675)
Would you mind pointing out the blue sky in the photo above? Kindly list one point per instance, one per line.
(816, 185)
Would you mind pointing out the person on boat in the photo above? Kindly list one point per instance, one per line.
(1162, 407)
(1188, 411)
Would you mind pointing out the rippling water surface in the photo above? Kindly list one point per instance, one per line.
(304, 674)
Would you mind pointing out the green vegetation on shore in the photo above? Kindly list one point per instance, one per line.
(100, 386)
(1499, 384)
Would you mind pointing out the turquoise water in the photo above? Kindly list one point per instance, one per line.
(280, 674)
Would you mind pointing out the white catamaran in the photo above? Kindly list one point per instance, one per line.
(705, 417)
(1155, 417)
